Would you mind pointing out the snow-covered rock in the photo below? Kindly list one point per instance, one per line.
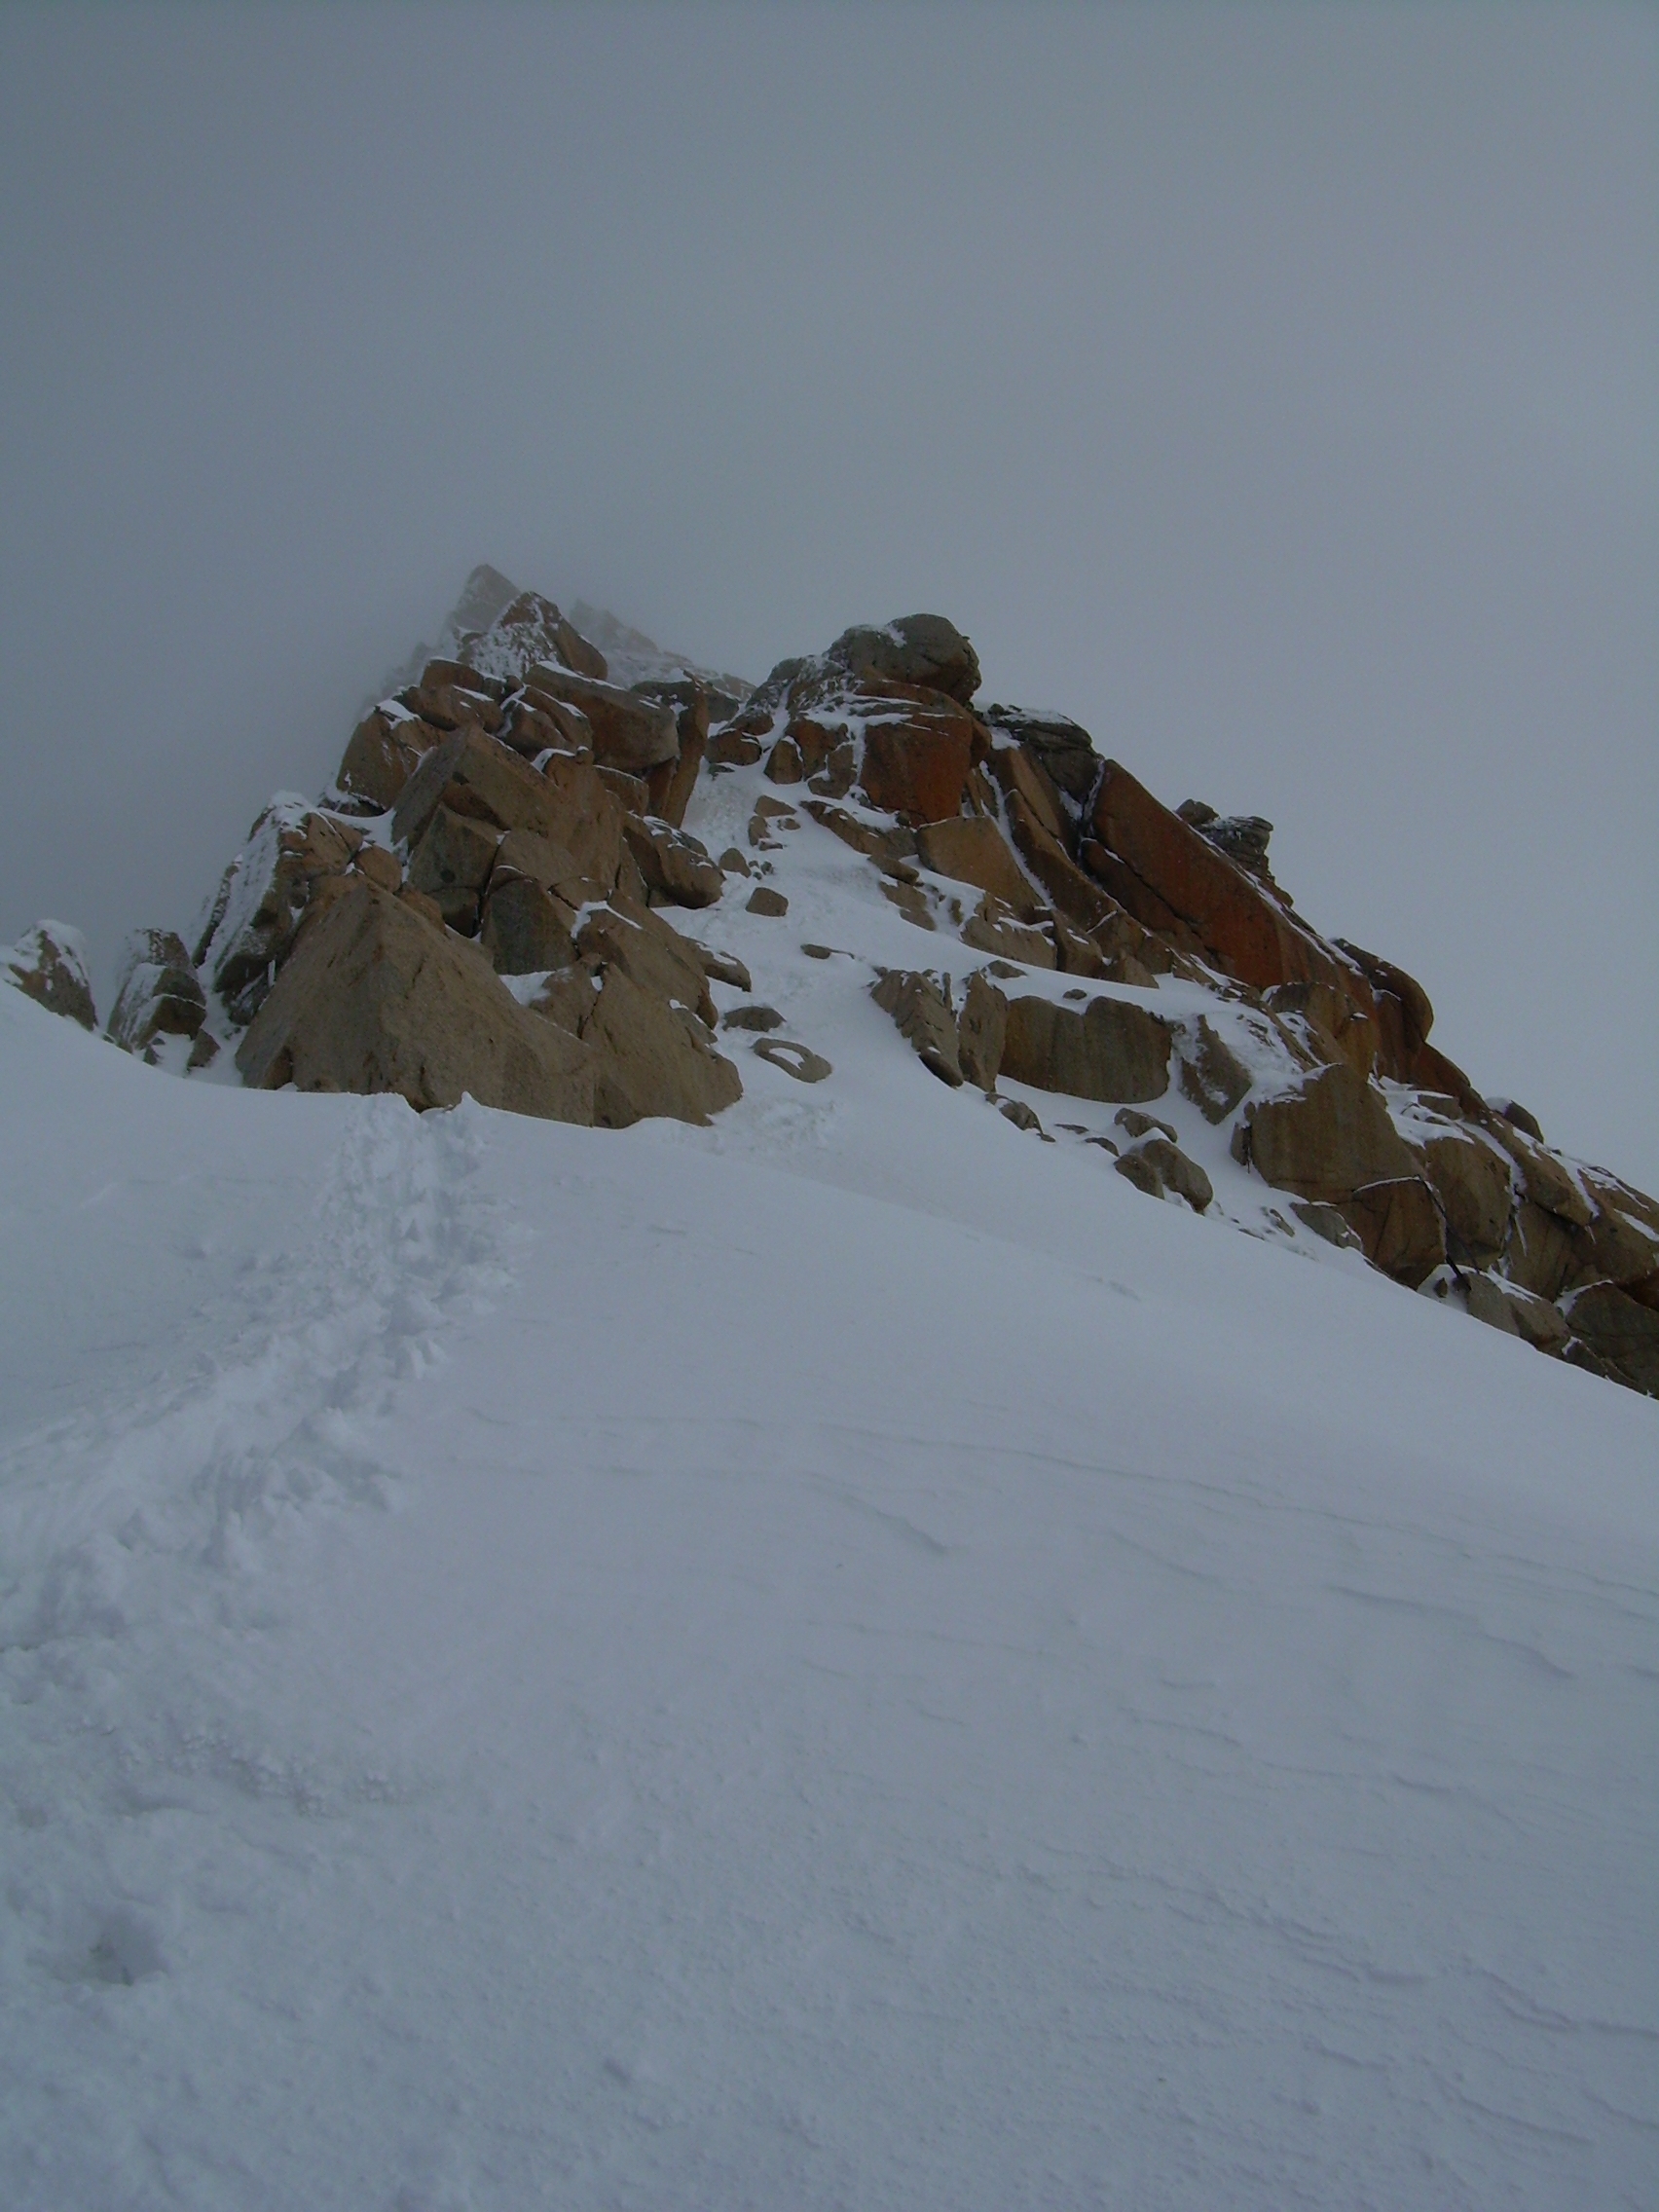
(49, 964)
(543, 783)
(842, 1657)
(160, 1002)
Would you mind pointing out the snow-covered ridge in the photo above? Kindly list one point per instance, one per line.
(1114, 974)
(883, 1596)
(474, 631)
(839, 1656)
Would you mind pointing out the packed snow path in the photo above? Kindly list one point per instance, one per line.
(774, 1667)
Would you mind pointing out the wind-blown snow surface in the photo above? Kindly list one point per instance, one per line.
(849, 1658)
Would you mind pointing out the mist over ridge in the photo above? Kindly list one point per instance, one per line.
(1271, 392)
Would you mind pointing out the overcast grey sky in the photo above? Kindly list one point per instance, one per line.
(1277, 389)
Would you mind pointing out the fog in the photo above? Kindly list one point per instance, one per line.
(1276, 391)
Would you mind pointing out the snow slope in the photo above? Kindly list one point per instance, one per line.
(848, 1658)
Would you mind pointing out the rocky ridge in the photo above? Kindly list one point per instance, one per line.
(479, 904)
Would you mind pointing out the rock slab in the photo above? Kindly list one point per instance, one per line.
(48, 965)
(1111, 1051)
(374, 998)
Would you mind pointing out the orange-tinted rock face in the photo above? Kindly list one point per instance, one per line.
(885, 708)
(1404, 1020)
(972, 850)
(1021, 777)
(1171, 879)
(1073, 891)
(383, 754)
(916, 757)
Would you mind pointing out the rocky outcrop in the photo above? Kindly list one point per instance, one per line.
(516, 808)
(1512, 1111)
(629, 732)
(995, 928)
(671, 783)
(916, 762)
(921, 1009)
(157, 994)
(1329, 1021)
(968, 849)
(920, 650)
(1473, 1186)
(1400, 1229)
(476, 815)
(1400, 1009)
(1242, 837)
(982, 1032)
(1019, 775)
(452, 695)
(639, 999)
(1326, 1140)
(502, 632)
(383, 752)
(1111, 1050)
(1481, 1196)
(533, 730)
(1505, 1305)
(1539, 1255)
(646, 667)
(529, 677)
(1326, 1223)
(388, 743)
(1176, 882)
(1063, 750)
(1546, 1181)
(452, 863)
(1160, 1168)
(1073, 891)
(1621, 1332)
(377, 999)
(635, 940)
(527, 928)
(797, 1060)
(497, 855)
(648, 1056)
(532, 630)
(883, 708)
(675, 866)
(484, 782)
(1212, 1075)
(588, 822)
(48, 965)
(888, 845)
(250, 926)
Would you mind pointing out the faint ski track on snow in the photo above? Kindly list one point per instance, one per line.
(205, 1468)
(134, 1620)
(846, 1708)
